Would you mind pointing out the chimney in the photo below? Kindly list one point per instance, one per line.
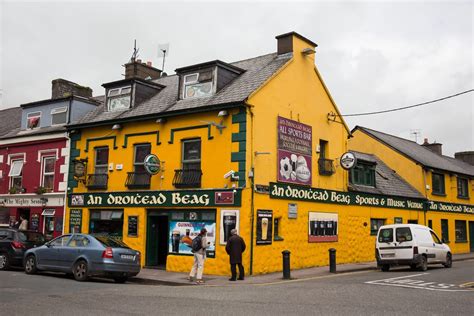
(137, 69)
(466, 156)
(286, 43)
(434, 147)
(62, 88)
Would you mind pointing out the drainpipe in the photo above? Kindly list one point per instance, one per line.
(252, 181)
(425, 204)
(67, 162)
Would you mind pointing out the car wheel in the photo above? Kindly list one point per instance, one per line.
(423, 264)
(4, 262)
(80, 271)
(121, 279)
(413, 266)
(385, 267)
(449, 261)
(30, 265)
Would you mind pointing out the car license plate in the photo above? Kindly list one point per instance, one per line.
(127, 257)
(388, 255)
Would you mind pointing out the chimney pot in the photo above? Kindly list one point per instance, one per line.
(148, 63)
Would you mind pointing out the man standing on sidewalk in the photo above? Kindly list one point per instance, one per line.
(234, 248)
(199, 245)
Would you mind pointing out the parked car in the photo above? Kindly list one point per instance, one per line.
(85, 256)
(14, 243)
(410, 244)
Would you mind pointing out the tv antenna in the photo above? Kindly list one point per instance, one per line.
(163, 51)
(135, 52)
(415, 133)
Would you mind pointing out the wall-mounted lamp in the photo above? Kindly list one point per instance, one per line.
(308, 51)
(161, 120)
(222, 113)
(116, 126)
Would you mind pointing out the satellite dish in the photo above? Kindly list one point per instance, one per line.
(163, 50)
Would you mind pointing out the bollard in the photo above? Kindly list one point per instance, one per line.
(286, 264)
(332, 260)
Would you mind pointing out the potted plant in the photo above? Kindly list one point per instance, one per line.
(13, 190)
(41, 190)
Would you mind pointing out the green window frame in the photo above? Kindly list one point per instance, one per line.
(460, 231)
(437, 182)
(363, 173)
(375, 224)
(463, 185)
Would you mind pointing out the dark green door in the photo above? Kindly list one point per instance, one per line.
(471, 235)
(157, 241)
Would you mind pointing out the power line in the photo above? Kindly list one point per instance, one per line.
(410, 106)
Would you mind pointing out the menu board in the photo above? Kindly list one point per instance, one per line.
(133, 226)
(34, 222)
(75, 220)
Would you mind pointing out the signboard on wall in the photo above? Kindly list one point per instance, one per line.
(229, 220)
(322, 227)
(133, 226)
(75, 220)
(264, 227)
(294, 152)
(182, 234)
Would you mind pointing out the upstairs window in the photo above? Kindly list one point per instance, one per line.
(33, 120)
(101, 160)
(197, 85)
(363, 173)
(59, 116)
(119, 98)
(463, 191)
(16, 170)
(438, 183)
(141, 151)
(192, 154)
(47, 180)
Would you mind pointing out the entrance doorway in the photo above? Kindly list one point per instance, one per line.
(157, 241)
(471, 236)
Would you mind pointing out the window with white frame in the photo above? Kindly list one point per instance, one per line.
(141, 151)
(47, 180)
(33, 120)
(119, 98)
(197, 85)
(59, 116)
(101, 160)
(191, 158)
(15, 174)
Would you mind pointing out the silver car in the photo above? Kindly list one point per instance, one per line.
(85, 256)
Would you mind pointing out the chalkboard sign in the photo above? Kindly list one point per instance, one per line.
(75, 220)
(133, 226)
(34, 222)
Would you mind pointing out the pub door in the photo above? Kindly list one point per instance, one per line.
(157, 241)
(471, 236)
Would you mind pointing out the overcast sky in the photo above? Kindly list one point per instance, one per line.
(372, 55)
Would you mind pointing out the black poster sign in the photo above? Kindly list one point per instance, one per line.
(75, 220)
(34, 225)
(264, 227)
(133, 226)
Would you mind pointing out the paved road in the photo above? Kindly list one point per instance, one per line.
(438, 291)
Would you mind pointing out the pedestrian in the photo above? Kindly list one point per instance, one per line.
(199, 246)
(234, 248)
(23, 223)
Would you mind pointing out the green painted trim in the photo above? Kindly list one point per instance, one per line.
(238, 137)
(239, 156)
(90, 140)
(242, 146)
(239, 118)
(73, 154)
(174, 130)
(243, 127)
(75, 136)
(127, 136)
(242, 166)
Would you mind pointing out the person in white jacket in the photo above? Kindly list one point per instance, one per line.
(199, 258)
(23, 223)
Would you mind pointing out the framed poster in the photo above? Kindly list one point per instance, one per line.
(264, 227)
(75, 220)
(182, 234)
(133, 226)
(34, 224)
(323, 227)
(230, 219)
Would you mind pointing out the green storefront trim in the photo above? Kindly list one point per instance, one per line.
(127, 136)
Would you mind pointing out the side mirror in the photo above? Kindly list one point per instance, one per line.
(443, 241)
(48, 244)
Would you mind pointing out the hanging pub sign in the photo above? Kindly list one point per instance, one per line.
(75, 220)
(264, 227)
(348, 160)
(294, 152)
(152, 164)
(79, 168)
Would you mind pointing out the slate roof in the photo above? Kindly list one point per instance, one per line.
(387, 181)
(420, 154)
(257, 71)
(10, 119)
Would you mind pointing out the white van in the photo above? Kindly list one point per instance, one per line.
(410, 244)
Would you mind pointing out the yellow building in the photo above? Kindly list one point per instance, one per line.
(253, 144)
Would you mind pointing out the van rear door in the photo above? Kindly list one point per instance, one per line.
(403, 243)
(385, 243)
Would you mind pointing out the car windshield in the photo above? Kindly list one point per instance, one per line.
(111, 242)
(386, 235)
(31, 236)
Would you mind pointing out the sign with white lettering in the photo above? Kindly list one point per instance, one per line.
(450, 207)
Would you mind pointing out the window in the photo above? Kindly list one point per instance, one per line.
(444, 230)
(192, 154)
(48, 172)
(108, 223)
(363, 173)
(101, 160)
(59, 116)
(276, 229)
(463, 191)
(375, 224)
(16, 168)
(435, 237)
(60, 241)
(197, 85)
(141, 151)
(325, 165)
(438, 183)
(79, 241)
(460, 231)
(33, 120)
(403, 234)
(430, 223)
(119, 99)
(386, 235)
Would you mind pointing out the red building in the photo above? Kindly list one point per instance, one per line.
(34, 157)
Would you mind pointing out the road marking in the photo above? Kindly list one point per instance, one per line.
(468, 284)
(408, 282)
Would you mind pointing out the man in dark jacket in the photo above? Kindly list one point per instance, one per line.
(234, 248)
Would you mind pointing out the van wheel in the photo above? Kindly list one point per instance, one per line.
(4, 262)
(449, 261)
(423, 263)
(385, 267)
(413, 266)
(80, 271)
(30, 265)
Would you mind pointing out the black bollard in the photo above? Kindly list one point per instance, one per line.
(286, 264)
(332, 260)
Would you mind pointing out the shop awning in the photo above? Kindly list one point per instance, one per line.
(48, 212)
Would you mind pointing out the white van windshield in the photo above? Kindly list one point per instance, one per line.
(404, 234)
(386, 235)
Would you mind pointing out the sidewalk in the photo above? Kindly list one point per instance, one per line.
(161, 277)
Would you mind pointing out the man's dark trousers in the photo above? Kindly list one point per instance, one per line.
(234, 272)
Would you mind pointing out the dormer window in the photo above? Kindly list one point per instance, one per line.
(363, 173)
(198, 85)
(119, 98)
(59, 116)
(33, 120)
